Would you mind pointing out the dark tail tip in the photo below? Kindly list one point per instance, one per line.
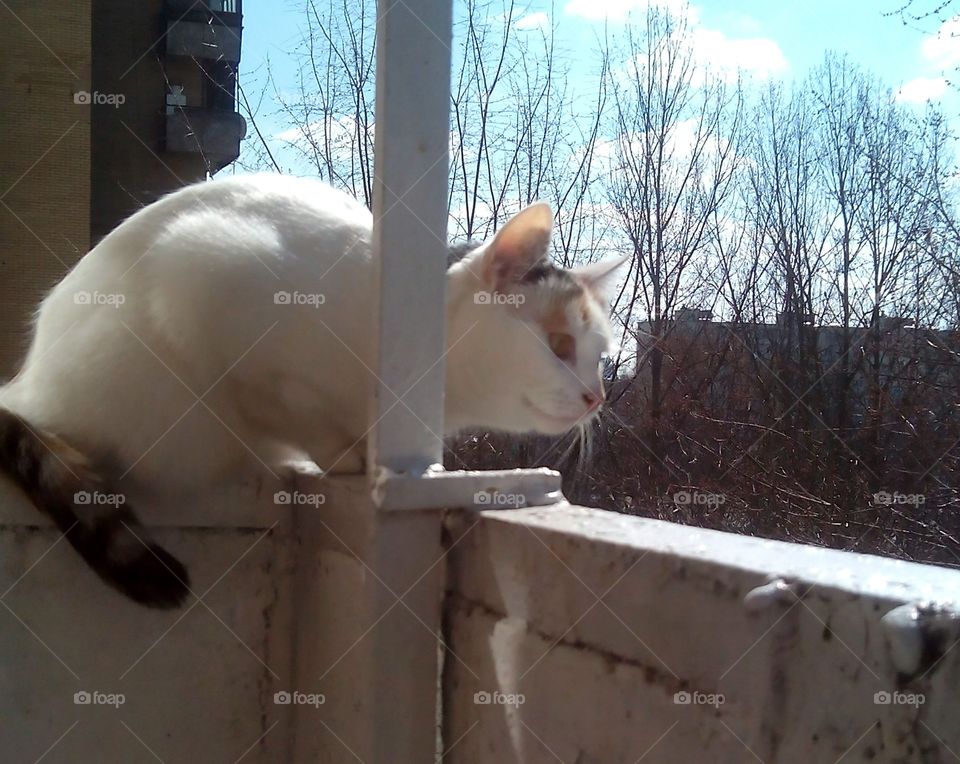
(122, 553)
(154, 578)
(108, 537)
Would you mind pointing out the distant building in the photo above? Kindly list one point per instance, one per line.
(107, 105)
(687, 315)
(716, 357)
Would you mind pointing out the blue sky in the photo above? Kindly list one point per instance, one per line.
(806, 30)
(768, 39)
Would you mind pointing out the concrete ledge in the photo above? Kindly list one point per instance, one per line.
(626, 637)
(467, 488)
(864, 574)
(797, 641)
(251, 504)
(195, 684)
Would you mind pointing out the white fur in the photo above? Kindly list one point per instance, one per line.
(198, 273)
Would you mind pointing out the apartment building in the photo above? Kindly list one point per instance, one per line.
(107, 105)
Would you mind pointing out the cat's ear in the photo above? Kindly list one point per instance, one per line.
(519, 246)
(600, 277)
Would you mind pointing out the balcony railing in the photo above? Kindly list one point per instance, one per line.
(222, 10)
(214, 133)
(210, 30)
(202, 40)
(569, 634)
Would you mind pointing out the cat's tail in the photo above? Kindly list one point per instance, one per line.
(98, 523)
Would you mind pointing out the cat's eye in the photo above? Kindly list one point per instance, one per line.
(562, 345)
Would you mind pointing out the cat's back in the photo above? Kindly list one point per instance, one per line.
(208, 269)
(224, 247)
(235, 214)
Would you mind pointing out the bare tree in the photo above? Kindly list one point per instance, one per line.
(789, 320)
(675, 127)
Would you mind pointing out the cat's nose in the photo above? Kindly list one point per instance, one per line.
(592, 400)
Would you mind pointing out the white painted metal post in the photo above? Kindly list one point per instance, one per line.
(372, 571)
(384, 685)
(409, 245)
(410, 230)
(410, 254)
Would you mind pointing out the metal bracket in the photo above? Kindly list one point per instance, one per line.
(491, 489)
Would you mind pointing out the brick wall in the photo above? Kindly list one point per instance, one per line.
(44, 158)
(70, 172)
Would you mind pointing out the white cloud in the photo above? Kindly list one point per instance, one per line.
(538, 20)
(718, 57)
(683, 138)
(728, 57)
(684, 141)
(300, 133)
(943, 48)
(922, 89)
(341, 131)
(618, 10)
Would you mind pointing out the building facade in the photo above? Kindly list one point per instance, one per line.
(106, 106)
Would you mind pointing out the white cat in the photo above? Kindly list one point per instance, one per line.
(228, 326)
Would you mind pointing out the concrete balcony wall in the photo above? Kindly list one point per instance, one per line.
(201, 39)
(214, 134)
(290, 601)
(597, 621)
(198, 684)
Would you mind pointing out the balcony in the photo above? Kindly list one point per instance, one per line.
(213, 133)
(568, 634)
(227, 12)
(210, 30)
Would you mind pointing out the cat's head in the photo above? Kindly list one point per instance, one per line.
(525, 337)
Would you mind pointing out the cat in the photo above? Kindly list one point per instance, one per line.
(228, 326)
